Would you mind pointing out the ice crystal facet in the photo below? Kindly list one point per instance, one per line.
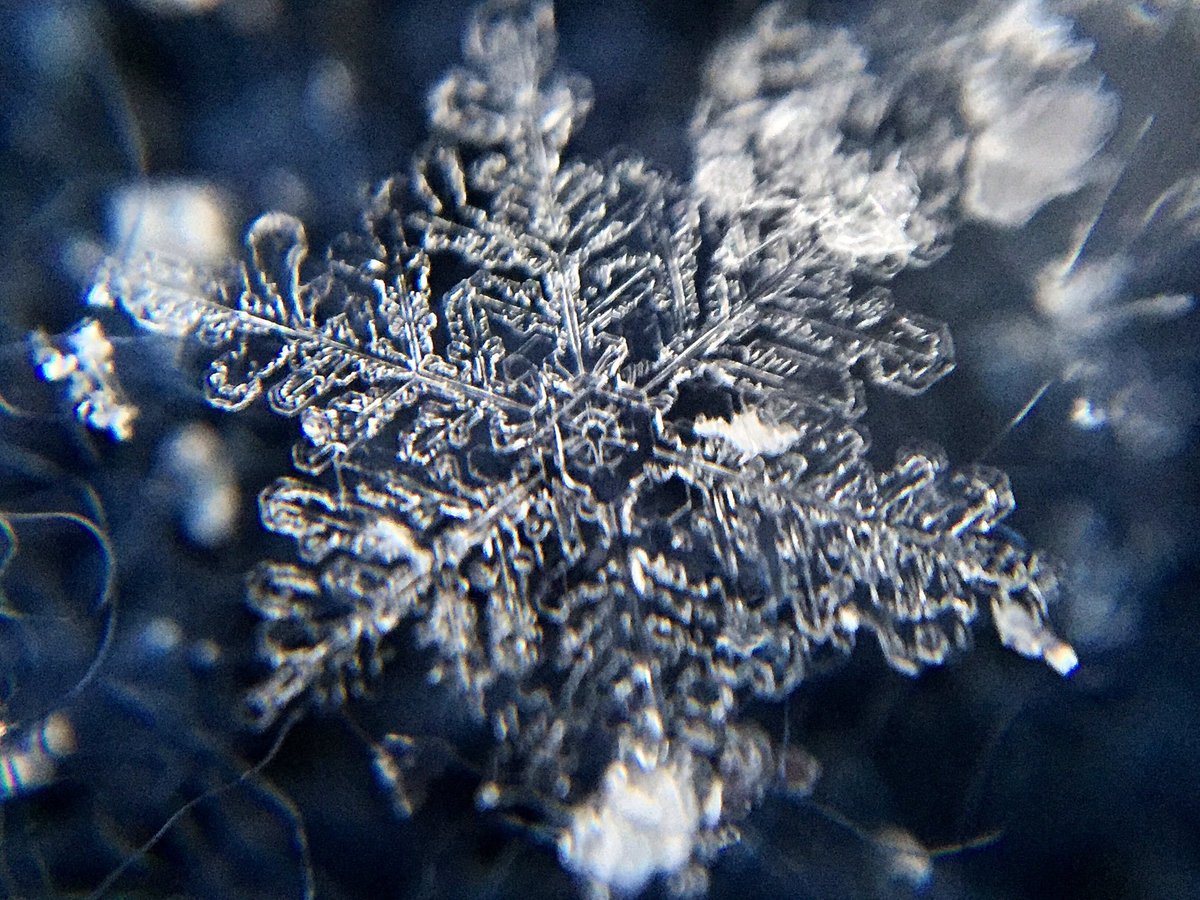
(613, 495)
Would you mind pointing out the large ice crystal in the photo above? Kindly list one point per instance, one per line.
(593, 433)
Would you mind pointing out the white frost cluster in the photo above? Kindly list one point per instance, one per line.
(643, 822)
(83, 358)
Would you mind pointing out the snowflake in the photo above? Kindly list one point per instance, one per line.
(615, 496)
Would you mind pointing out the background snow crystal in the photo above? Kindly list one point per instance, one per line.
(643, 822)
(1075, 325)
(83, 358)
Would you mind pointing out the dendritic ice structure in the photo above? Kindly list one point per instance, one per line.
(613, 495)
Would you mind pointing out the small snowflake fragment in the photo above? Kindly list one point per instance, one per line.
(83, 358)
(642, 823)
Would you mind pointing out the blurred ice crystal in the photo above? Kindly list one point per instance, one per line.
(180, 7)
(907, 860)
(749, 434)
(591, 436)
(55, 37)
(204, 483)
(175, 217)
(83, 358)
(330, 95)
(1027, 636)
(1091, 301)
(780, 133)
(29, 759)
(1036, 150)
(642, 823)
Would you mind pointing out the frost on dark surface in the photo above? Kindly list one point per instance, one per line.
(594, 435)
